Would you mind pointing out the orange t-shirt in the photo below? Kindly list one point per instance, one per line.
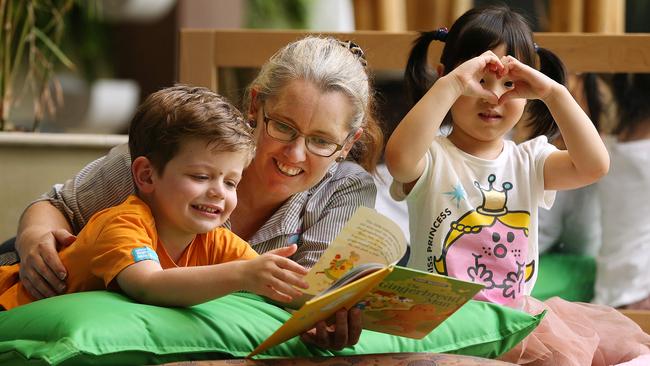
(117, 237)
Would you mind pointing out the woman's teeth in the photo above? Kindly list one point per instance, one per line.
(290, 171)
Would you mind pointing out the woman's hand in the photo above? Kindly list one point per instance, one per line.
(41, 271)
(345, 331)
(274, 276)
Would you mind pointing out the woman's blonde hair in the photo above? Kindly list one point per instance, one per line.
(331, 65)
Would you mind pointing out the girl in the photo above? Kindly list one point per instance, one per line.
(473, 194)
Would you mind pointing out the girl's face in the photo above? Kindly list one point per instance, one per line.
(477, 122)
(197, 190)
(286, 168)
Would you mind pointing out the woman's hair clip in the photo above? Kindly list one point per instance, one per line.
(356, 50)
(440, 34)
(535, 46)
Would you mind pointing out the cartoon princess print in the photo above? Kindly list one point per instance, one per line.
(489, 245)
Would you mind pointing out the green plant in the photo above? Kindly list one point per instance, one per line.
(29, 53)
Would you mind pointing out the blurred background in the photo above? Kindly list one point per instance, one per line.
(116, 63)
(82, 66)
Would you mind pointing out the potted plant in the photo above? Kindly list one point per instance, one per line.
(29, 53)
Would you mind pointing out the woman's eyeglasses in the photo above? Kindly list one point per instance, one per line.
(283, 132)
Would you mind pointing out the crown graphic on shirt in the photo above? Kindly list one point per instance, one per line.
(494, 201)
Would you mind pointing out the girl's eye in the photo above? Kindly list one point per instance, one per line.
(509, 84)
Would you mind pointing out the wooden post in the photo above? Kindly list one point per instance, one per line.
(566, 15)
(197, 55)
(605, 16)
(364, 15)
(391, 15)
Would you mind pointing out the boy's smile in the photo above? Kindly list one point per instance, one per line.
(196, 191)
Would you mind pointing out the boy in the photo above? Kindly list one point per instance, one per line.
(163, 246)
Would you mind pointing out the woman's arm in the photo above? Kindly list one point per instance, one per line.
(103, 183)
(40, 228)
(271, 275)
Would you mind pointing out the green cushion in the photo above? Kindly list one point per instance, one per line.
(104, 328)
(568, 276)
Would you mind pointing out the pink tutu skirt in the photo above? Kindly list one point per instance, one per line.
(575, 333)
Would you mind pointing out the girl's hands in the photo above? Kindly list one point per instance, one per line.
(528, 82)
(274, 276)
(470, 74)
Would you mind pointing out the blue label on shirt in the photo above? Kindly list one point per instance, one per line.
(293, 238)
(144, 254)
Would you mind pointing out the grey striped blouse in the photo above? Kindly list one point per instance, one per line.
(310, 219)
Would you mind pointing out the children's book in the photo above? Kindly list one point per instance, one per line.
(358, 269)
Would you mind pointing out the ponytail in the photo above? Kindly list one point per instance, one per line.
(418, 76)
(541, 120)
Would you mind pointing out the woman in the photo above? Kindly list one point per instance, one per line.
(311, 105)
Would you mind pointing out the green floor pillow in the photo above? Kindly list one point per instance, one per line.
(568, 276)
(104, 328)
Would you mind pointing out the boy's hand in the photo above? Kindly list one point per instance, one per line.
(274, 276)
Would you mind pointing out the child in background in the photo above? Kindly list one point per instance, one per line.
(622, 265)
(572, 225)
(164, 246)
(473, 195)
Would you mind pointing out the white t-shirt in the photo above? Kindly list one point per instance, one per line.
(572, 225)
(476, 219)
(624, 259)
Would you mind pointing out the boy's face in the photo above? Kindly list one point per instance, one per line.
(197, 191)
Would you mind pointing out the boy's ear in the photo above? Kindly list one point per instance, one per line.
(440, 69)
(143, 171)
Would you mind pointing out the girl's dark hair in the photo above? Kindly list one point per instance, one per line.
(478, 30)
(631, 94)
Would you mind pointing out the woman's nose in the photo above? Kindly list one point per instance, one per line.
(296, 150)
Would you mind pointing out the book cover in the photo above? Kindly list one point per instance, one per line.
(412, 303)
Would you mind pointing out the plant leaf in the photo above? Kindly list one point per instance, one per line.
(54, 48)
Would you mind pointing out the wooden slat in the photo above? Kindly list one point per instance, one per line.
(197, 63)
(581, 52)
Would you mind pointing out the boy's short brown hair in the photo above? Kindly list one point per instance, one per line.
(172, 115)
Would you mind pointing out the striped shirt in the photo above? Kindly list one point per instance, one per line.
(310, 219)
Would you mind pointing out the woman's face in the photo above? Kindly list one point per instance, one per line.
(286, 168)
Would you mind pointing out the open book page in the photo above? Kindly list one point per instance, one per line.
(321, 308)
(411, 303)
(368, 237)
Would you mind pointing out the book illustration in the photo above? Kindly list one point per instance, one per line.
(340, 265)
(358, 268)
